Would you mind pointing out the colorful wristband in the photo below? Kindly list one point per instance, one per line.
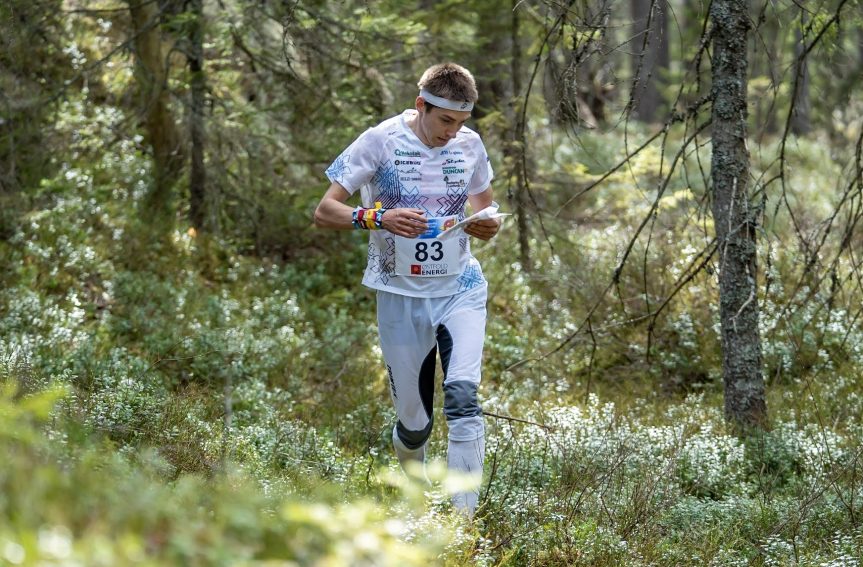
(368, 219)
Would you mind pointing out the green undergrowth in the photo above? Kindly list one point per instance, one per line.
(83, 501)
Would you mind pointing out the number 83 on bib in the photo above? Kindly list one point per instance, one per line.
(426, 255)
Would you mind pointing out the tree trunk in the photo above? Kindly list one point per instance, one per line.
(493, 66)
(517, 146)
(860, 48)
(649, 67)
(201, 206)
(161, 131)
(745, 405)
(500, 76)
(800, 122)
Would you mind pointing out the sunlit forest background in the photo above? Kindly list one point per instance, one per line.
(189, 370)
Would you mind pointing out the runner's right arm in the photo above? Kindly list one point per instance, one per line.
(332, 212)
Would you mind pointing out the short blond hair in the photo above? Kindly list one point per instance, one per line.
(451, 81)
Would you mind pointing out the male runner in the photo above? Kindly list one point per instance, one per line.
(415, 172)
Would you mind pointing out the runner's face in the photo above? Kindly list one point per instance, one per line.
(440, 125)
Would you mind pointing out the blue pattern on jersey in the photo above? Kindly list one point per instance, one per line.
(386, 180)
(470, 278)
(413, 198)
(373, 258)
(339, 168)
(388, 264)
(452, 203)
(382, 263)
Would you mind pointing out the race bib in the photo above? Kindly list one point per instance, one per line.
(426, 255)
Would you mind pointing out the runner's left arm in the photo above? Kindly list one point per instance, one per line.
(482, 229)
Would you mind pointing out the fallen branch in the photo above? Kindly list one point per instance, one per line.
(508, 418)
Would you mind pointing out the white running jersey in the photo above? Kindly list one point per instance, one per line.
(389, 163)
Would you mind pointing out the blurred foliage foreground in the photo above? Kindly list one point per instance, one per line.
(167, 402)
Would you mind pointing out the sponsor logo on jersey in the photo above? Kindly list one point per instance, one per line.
(449, 170)
(429, 269)
(454, 185)
(408, 162)
(408, 153)
(455, 161)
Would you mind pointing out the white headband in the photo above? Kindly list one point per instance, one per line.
(446, 103)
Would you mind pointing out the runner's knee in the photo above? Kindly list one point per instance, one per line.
(462, 410)
(460, 399)
(413, 439)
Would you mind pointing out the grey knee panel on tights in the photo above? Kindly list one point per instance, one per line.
(462, 410)
(460, 399)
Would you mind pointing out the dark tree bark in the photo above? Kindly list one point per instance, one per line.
(151, 72)
(500, 85)
(201, 206)
(860, 48)
(516, 146)
(650, 23)
(745, 404)
(800, 121)
(492, 70)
